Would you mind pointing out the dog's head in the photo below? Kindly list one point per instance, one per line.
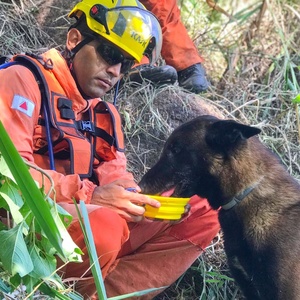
(196, 158)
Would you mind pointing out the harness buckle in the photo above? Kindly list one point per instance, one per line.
(86, 126)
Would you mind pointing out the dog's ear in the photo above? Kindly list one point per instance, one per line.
(225, 134)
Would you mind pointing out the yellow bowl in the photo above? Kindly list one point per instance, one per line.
(171, 208)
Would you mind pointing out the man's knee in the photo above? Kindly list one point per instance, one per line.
(200, 227)
(110, 231)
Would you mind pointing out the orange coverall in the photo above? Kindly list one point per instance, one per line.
(133, 256)
(178, 49)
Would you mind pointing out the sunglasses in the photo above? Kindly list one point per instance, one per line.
(113, 56)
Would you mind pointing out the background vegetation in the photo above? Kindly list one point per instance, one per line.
(251, 51)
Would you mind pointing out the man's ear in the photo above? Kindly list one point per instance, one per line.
(73, 38)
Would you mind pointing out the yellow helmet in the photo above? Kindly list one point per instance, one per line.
(125, 23)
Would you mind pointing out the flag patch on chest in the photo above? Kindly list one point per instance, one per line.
(23, 104)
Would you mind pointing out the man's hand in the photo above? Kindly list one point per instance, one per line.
(128, 204)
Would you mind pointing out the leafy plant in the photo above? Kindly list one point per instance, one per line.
(38, 234)
(34, 230)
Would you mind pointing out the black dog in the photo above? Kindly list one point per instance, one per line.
(260, 208)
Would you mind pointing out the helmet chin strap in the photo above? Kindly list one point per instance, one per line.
(69, 56)
(86, 40)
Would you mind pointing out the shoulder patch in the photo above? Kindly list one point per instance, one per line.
(23, 104)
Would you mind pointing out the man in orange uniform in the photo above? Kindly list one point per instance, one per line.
(65, 129)
(183, 61)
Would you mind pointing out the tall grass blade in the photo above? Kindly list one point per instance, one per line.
(137, 294)
(89, 240)
(32, 195)
(96, 269)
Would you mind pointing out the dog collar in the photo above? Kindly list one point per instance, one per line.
(237, 199)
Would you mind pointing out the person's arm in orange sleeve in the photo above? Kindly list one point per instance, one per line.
(20, 123)
(20, 109)
(110, 171)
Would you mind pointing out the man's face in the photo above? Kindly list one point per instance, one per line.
(93, 74)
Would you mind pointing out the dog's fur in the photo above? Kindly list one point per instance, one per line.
(220, 160)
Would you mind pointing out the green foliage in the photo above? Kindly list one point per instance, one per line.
(216, 286)
(15, 252)
(297, 99)
(89, 241)
(35, 232)
(31, 244)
